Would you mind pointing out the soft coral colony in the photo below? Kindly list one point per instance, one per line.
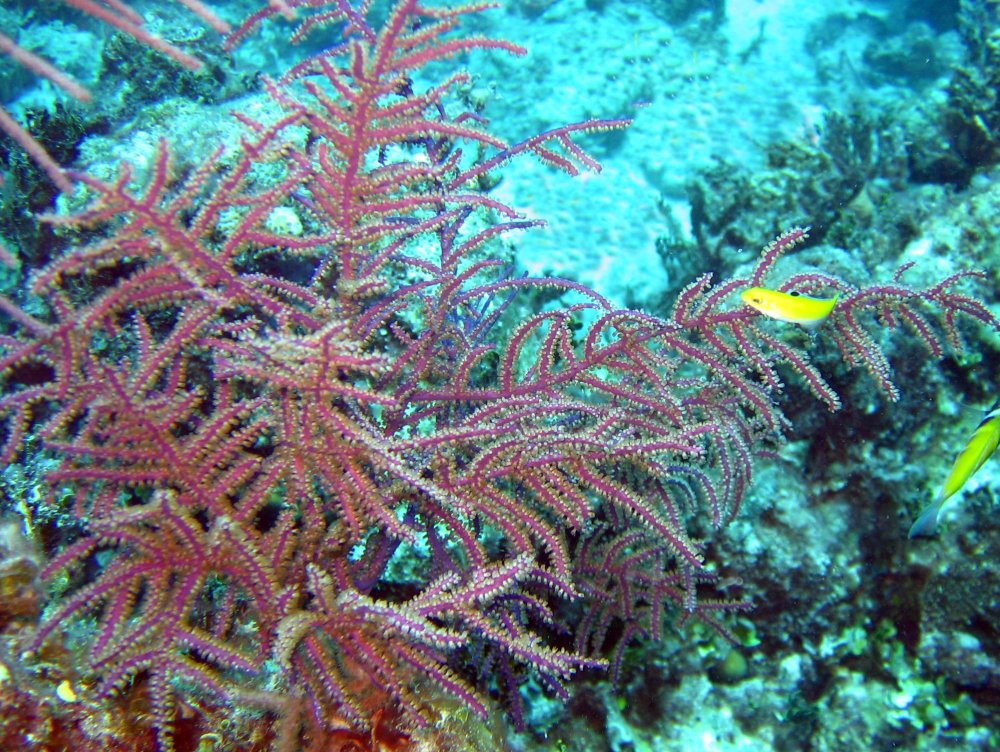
(314, 480)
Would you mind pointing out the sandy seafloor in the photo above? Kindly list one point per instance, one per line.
(860, 639)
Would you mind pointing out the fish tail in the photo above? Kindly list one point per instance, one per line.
(927, 523)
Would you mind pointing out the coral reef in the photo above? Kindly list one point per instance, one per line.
(331, 475)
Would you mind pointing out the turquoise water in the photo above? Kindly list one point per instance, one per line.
(873, 123)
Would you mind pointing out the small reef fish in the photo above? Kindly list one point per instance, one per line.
(982, 444)
(790, 307)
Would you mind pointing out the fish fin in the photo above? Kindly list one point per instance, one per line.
(927, 523)
(816, 323)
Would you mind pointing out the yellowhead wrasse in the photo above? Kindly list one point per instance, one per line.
(982, 444)
(789, 306)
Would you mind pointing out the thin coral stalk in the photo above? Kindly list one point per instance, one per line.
(114, 13)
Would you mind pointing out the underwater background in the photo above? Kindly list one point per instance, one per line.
(875, 124)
